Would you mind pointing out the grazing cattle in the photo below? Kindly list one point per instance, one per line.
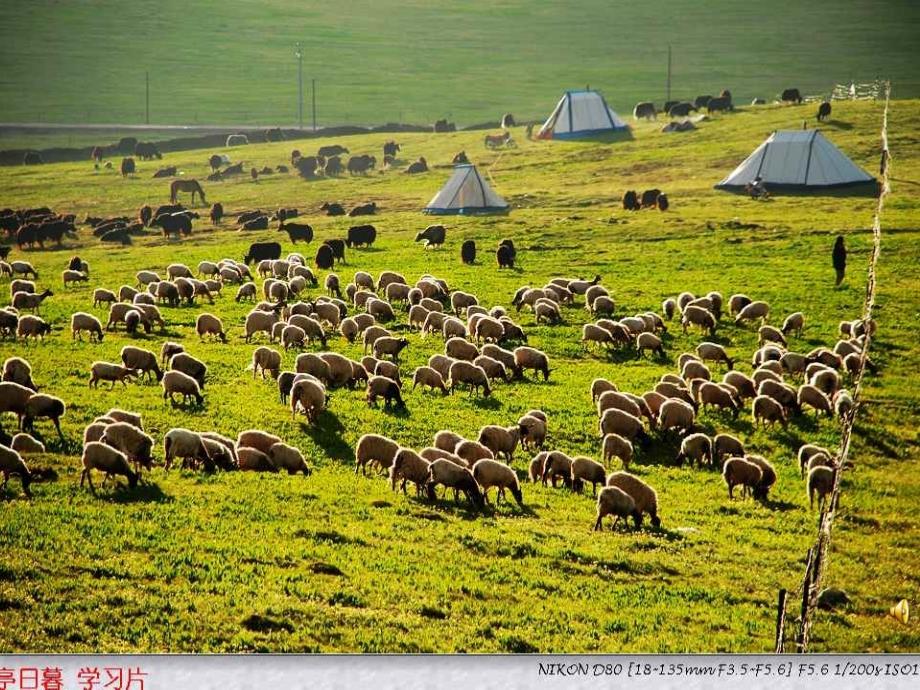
(719, 104)
(434, 235)
(701, 102)
(147, 150)
(32, 158)
(127, 166)
(726, 94)
(217, 213)
(361, 236)
(237, 140)
(824, 111)
(295, 154)
(419, 166)
(468, 252)
(297, 231)
(215, 161)
(260, 223)
(332, 150)
(791, 96)
(389, 161)
(215, 177)
(283, 214)
(167, 208)
(681, 109)
(359, 165)
(391, 148)
(505, 255)
(236, 169)
(668, 105)
(368, 209)
(173, 224)
(338, 248)
(325, 259)
(145, 215)
(332, 209)
(307, 166)
(650, 198)
(442, 126)
(631, 201)
(333, 167)
(507, 121)
(186, 186)
(645, 110)
(97, 154)
(663, 203)
(460, 159)
(120, 235)
(169, 171)
(282, 168)
(262, 251)
(274, 134)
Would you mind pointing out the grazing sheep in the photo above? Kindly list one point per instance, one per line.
(409, 466)
(208, 324)
(649, 341)
(765, 410)
(770, 334)
(504, 356)
(693, 369)
(427, 376)
(676, 414)
(375, 449)
(490, 473)
(254, 460)
(459, 301)
(175, 382)
(712, 352)
(18, 370)
(11, 463)
(557, 465)
(142, 361)
(535, 469)
(106, 371)
(616, 446)
(288, 458)
(94, 431)
(260, 321)
(502, 440)
(26, 445)
(468, 374)
(386, 388)
(101, 296)
(794, 322)
(696, 447)
(31, 326)
(389, 346)
(293, 337)
(821, 482)
(38, 406)
(585, 470)
(258, 439)
(471, 451)
(600, 386)
(615, 502)
(738, 302)
(99, 456)
(447, 440)
(189, 366)
(752, 312)
(134, 443)
(493, 368)
(614, 421)
(372, 334)
(700, 317)
(452, 476)
(458, 348)
(726, 444)
(310, 395)
(644, 496)
(767, 478)
(843, 404)
(741, 472)
(816, 399)
(246, 291)
(531, 358)
(132, 418)
(81, 321)
(719, 395)
(68, 276)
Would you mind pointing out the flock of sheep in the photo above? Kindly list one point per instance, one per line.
(481, 346)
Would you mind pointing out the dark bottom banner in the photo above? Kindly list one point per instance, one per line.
(228, 672)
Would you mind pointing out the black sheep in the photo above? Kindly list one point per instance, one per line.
(325, 259)
(468, 252)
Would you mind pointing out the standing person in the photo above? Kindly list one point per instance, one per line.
(840, 258)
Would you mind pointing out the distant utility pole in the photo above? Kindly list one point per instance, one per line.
(314, 103)
(669, 73)
(298, 53)
(147, 97)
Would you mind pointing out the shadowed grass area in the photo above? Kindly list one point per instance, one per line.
(338, 562)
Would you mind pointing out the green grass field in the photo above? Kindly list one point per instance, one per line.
(241, 562)
(374, 62)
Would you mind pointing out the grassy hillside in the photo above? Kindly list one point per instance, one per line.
(241, 562)
(416, 61)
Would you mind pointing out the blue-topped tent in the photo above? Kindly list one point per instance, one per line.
(581, 114)
(466, 193)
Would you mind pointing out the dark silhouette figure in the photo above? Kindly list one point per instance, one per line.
(840, 258)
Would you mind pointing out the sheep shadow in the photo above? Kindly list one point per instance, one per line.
(779, 506)
(142, 493)
(327, 434)
(490, 403)
(838, 124)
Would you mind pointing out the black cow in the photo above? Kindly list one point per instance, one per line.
(434, 235)
(32, 158)
(261, 251)
(169, 171)
(127, 166)
(468, 252)
(297, 231)
(791, 96)
(215, 161)
(681, 109)
(361, 236)
(663, 203)
(173, 224)
(391, 148)
(505, 256)
(368, 209)
(325, 259)
(217, 213)
(283, 214)
(147, 150)
(120, 235)
(145, 214)
(507, 121)
(361, 164)
(168, 208)
(258, 223)
(646, 110)
(274, 134)
(650, 197)
(718, 105)
(824, 111)
(668, 105)
(701, 101)
(631, 201)
(236, 169)
(338, 249)
(54, 231)
(332, 150)
(332, 209)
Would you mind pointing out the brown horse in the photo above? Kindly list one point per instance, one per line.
(186, 186)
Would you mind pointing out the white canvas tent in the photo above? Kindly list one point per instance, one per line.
(797, 159)
(581, 114)
(466, 193)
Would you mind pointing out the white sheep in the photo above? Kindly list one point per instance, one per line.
(427, 376)
(820, 482)
(69, 276)
(266, 359)
(765, 410)
(695, 447)
(11, 463)
(752, 312)
(288, 458)
(615, 502)
(176, 382)
(741, 472)
(310, 396)
(107, 371)
(502, 440)
(794, 322)
(99, 456)
(643, 495)
(726, 444)
(676, 414)
(134, 443)
(208, 324)
(26, 445)
(491, 473)
(409, 466)
(815, 398)
(374, 449)
(468, 374)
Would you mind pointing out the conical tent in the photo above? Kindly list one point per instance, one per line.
(581, 114)
(466, 193)
(797, 159)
